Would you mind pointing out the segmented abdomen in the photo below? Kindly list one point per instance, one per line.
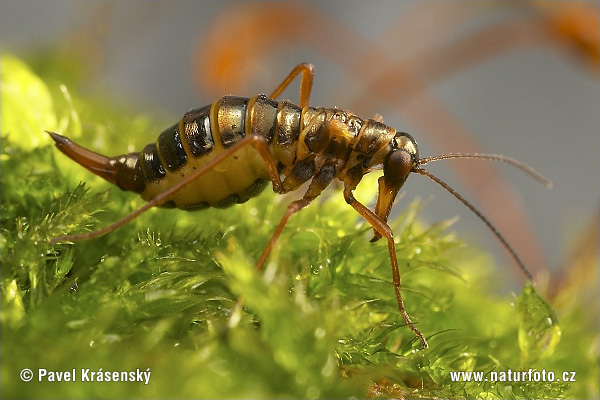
(205, 132)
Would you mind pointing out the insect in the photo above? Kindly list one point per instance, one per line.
(227, 152)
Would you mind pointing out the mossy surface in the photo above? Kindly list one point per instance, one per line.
(175, 293)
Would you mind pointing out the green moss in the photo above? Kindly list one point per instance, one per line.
(177, 293)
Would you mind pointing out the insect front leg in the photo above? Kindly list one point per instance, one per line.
(306, 81)
(381, 227)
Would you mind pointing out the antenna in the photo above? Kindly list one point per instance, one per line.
(494, 157)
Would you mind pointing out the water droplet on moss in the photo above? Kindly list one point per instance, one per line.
(539, 331)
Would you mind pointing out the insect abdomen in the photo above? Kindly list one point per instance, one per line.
(204, 133)
(200, 136)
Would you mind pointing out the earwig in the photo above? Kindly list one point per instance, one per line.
(227, 152)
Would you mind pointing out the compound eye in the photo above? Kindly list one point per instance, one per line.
(398, 165)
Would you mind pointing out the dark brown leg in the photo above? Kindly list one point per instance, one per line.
(306, 81)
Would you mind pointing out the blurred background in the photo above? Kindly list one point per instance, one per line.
(514, 78)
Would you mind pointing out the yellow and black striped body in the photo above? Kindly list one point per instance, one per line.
(227, 152)
(197, 138)
(301, 141)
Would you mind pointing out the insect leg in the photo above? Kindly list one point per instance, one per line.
(321, 180)
(306, 81)
(259, 143)
(384, 230)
